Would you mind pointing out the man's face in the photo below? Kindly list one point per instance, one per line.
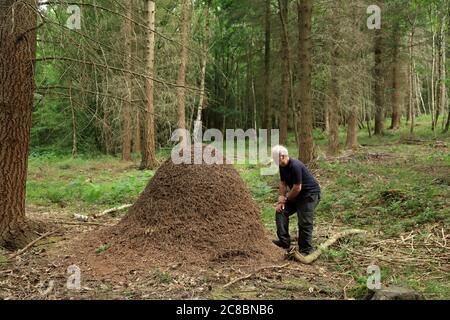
(284, 160)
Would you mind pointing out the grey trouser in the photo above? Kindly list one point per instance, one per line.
(305, 212)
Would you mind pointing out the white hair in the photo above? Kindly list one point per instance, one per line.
(278, 151)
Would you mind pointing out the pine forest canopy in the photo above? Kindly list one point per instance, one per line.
(243, 67)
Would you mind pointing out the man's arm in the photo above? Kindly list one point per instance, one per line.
(282, 196)
(296, 188)
(282, 191)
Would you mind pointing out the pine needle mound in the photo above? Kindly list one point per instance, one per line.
(190, 213)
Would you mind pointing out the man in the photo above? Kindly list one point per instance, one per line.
(303, 197)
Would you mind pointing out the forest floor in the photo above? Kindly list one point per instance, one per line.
(394, 187)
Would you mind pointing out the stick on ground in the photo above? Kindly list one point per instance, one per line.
(32, 243)
(113, 210)
(296, 256)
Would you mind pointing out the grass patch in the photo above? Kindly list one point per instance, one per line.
(163, 277)
(103, 248)
(3, 259)
(83, 183)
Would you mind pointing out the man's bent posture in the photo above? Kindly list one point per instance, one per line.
(303, 197)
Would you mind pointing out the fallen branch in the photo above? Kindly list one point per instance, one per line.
(83, 223)
(293, 254)
(252, 274)
(6, 271)
(32, 243)
(112, 210)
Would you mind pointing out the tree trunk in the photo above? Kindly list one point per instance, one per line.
(443, 63)
(305, 119)
(255, 112)
(447, 124)
(433, 93)
(74, 126)
(181, 81)
(419, 91)
(439, 82)
(412, 82)
(17, 54)
(411, 90)
(286, 77)
(379, 85)
(334, 105)
(396, 84)
(267, 122)
(248, 88)
(254, 120)
(148, 150)
(352, 128)
(137, 132)
(137, 113)
(201, 102)
(126, 108)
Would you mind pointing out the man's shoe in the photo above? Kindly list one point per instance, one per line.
(281, 244)
(306, 253)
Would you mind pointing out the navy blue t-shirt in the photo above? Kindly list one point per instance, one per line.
(297, 173)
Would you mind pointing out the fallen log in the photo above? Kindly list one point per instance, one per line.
(113, 210)
(293, 253)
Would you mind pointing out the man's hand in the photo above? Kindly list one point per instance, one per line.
(282, 199)
(280, 207)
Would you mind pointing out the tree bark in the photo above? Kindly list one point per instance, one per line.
(412, 82)
(137, 113)
(286, 76)
(201, 102)
(433, 91)
(255, 112)
(126, 107)
(74, 126)
(267, 122)
(352, 128)
(17, 69)
(148, 151)
(181, 81)
(334, 105)
(379, 84)
(439, 81)
(305, 119)
(447, 124)
(396, 84)
(443, 63)
(137, 147)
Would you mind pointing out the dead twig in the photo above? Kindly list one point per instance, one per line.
(6, 271)
(444, 238)
(32, 243)
(83, 223)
